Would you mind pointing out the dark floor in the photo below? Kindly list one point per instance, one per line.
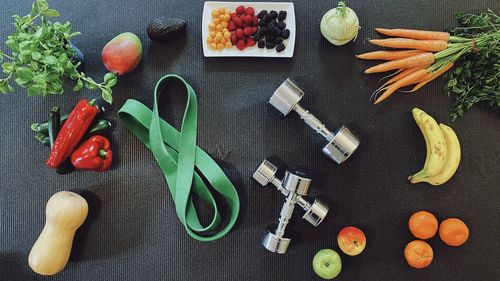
(133, 233)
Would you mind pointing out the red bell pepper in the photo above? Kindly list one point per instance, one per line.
(94, 154)
(72, 132)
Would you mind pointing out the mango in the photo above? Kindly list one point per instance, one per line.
(122, 54)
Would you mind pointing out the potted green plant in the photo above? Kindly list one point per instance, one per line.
(42, 57)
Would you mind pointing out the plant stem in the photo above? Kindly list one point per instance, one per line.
(5, 55)
(456, 39)
(84, 78)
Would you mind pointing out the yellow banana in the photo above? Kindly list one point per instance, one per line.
(453, 155)
(435, 143)
(417, 115)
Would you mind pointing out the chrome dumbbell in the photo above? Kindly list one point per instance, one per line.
(295, 187)
(341, 144)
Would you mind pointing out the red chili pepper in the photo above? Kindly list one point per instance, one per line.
(72, 132)
(94, 154)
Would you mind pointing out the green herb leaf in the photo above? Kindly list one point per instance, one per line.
(107, 95)
(3, 87)
(78, 86)
(35, 90)
(12, 44)
(22, 81)
(50, 60)
(24, 73)
(42, 5)
(41, 56)
(35, 55)
(24, 56)
(7, 67)
(51, 13)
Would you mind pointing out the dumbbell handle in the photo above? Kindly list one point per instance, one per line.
(299, 199)
(313, 122)
(286, 213)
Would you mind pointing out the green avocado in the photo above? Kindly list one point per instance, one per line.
(163, 29)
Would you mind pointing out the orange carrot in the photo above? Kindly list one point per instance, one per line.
(413, 61)
(415, 34)
(405, 73)
(404, 43)
(408, 80)
(432, 76)
(388, 55)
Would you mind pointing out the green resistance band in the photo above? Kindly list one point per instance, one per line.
(178, 155)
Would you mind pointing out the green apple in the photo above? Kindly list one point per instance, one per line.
(327, 264)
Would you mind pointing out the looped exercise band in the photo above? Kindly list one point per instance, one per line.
(178, 155)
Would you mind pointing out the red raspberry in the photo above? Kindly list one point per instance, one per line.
(248, 31)
(247, 19)
(234, 38)
(250, 11)
(250, 42)
(237, 21)
(240, 10)
(255, 20)
(232, 15)
(254, 30)
(231, 26)
(239, 33)
(240, 45)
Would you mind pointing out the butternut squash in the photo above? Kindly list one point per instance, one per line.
(65, 213)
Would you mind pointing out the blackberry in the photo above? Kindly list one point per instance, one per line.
(261, 44)
(273, 29)
(280, 47)
(270, 45)
(269, 38)
(281, 25)
(257, 36)
(273, 14)
(262, 23)
(278, 39)
(282, 16)
(262, 14)
(262, 31)
(271, 25)
(266, 18)
(285, 33)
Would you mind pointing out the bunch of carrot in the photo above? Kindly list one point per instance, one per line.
(429, 54)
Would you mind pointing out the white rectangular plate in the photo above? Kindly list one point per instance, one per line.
(250, 51)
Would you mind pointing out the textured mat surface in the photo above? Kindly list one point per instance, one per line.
(132, 232)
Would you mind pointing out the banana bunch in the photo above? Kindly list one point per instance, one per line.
(443, 150)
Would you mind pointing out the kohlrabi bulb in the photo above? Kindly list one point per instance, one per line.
(340, 25)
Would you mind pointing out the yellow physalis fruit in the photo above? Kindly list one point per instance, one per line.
(210, 40)
(222, 10)
(220, 46)
(215, 13)
(212, 26)
(224, 24)
(229, 44)
(227, 35)
(216, 21)
(227, 17)
(218, 27)
(211, 34)
(213, 46)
